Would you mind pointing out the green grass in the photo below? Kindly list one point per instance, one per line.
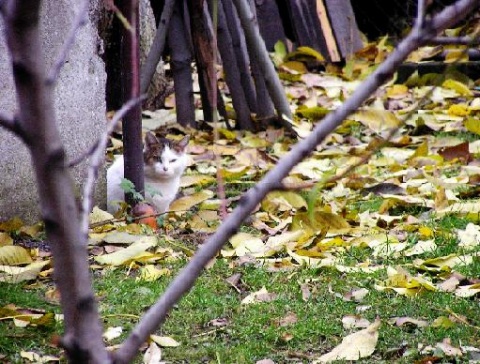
(15, 339)
(252, 331)
(466, 136)
(372, 204)
(214, 327)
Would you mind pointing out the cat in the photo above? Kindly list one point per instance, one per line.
(165, 161)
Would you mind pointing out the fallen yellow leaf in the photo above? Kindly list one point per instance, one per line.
(360, 344)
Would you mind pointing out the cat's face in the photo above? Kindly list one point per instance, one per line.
(164, 158)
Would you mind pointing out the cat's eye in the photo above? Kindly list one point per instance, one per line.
(173, 160)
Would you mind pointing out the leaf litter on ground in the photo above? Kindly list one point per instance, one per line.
(390, 208)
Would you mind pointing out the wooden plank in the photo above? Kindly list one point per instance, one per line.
(344, 26)
(327, 31)
(306, 25)
(270, 23)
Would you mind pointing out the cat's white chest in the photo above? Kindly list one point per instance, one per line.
(161, 193)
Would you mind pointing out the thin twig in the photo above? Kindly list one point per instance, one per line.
(12, 124)
(83, 156)
(80, 21)
(97, 158)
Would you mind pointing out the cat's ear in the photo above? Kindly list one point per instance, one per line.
(181, 145)
(150, 139)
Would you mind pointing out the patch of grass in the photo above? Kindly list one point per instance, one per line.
(355, 255)
(464, 135)
(214, 327)
(237, 188)
(449, 222)
(252, 332)
(470, 270)
(249, 230)
(14, 339)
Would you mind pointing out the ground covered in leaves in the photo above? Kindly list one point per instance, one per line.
(380, 263)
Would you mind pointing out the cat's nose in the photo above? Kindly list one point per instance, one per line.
(165, 168)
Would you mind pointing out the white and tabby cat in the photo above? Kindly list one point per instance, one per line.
(164, 163)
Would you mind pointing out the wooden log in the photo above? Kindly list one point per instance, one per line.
(265, 108)
(326, 27)
(181, 60)
(232, 74)
(306, 25)
(203, 45)
(256, 48)
(240, 49)
(270, 23)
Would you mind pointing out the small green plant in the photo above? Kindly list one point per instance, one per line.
(128, 187)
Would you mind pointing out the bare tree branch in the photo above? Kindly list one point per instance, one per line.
(80, 20)
(452, 14)
(185, 280)
(97, 153)
(36, 117)
(421, 12)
